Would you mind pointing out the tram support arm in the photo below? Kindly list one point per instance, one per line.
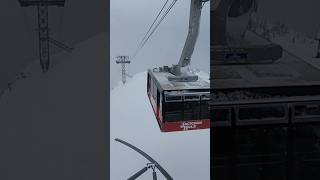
(139, 173)
(154, 175)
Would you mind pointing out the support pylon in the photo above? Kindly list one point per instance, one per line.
(123, 60)
(43, 27)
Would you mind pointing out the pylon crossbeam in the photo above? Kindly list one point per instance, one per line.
(25, 3)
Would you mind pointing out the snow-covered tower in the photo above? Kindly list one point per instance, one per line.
(123, 60)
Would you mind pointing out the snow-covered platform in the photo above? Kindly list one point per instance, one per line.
(290, 70)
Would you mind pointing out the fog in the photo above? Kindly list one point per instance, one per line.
(129, 21)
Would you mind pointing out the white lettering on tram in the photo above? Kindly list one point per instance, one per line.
(190, 125)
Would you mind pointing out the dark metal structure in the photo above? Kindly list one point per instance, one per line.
(318, 49)
(318, 40)
(153, 164)
(264, 152)
(43, 28)
(265, 117)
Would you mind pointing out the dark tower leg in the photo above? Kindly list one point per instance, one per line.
(318, 50)
(43, 29)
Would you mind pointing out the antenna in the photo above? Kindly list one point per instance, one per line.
(123, 60)
(153, 164)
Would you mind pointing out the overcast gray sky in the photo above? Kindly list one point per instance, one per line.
(130, 19)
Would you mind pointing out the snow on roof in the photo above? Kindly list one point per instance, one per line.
(162, 78)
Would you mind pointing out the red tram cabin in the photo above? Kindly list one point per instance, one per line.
(179, 106)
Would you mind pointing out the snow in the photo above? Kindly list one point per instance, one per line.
(303, 47)
(185, 155)
(296, 43)
(50, 122)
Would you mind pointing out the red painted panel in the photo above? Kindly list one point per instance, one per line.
(186, 125)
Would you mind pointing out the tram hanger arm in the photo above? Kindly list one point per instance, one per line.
(193, 32)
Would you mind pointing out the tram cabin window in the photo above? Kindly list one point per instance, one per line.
(173, 98)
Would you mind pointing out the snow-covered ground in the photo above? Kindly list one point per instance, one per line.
(50, 124)
(185, 155)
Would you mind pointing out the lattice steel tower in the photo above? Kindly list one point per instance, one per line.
(43, 27)
(123, 60)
